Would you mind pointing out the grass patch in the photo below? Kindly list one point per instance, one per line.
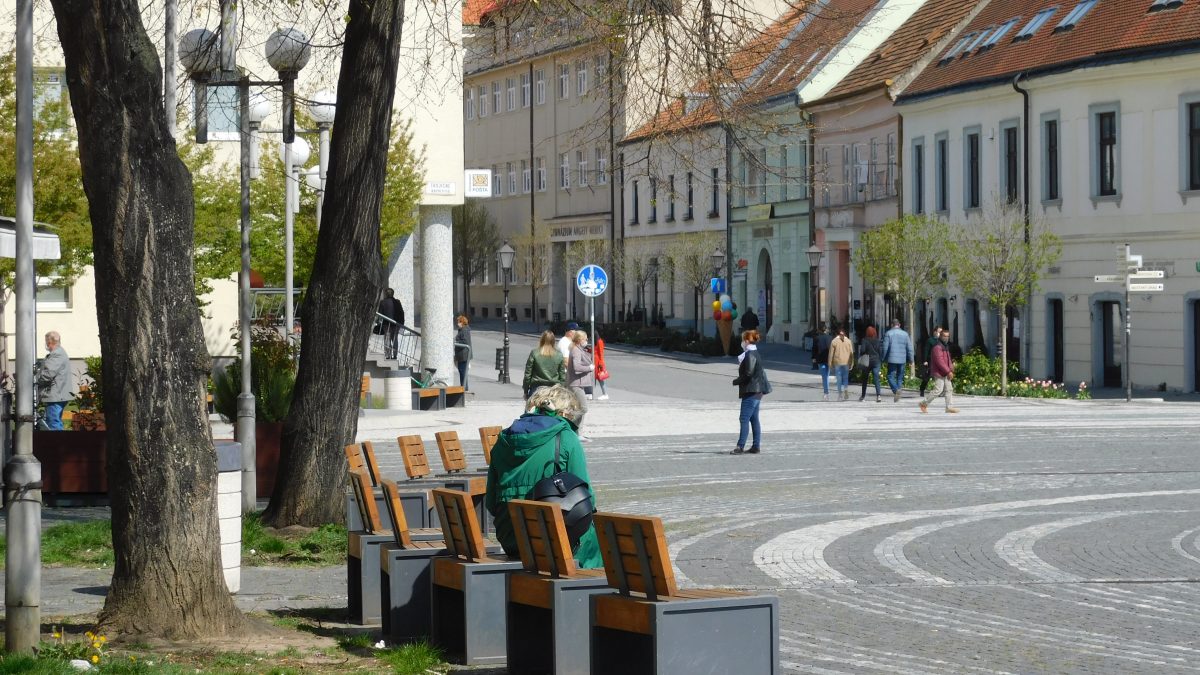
(411, 659)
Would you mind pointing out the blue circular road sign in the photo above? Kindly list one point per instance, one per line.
(591, 280)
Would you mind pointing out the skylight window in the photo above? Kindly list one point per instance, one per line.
(1036, 22)
(1000, 32)
(959, 46)
(976, 42)
(1164, 4)
(1075, 15)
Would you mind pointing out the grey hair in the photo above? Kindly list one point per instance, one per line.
(54, 337)
(558, 399)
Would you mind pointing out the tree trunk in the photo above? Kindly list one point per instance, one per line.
(346, 277)
(1004, 350)
(167, 578)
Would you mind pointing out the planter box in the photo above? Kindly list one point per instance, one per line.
(73, 462)
(267, 438)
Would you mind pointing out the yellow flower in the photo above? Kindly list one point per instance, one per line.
(96, 645)
(95, 658)
(56, 635)
(103, 639)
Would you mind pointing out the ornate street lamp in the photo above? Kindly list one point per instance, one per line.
(506, 262)
(718, 261)
(814, 261)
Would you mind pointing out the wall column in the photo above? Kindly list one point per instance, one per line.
(437, 293)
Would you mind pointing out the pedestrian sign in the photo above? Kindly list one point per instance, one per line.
(717, 284)
(591, 280)
(1145, 287)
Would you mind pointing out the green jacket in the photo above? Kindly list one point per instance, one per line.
(543, 371)
(523, 455)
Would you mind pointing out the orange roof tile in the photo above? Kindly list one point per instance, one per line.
(1110, 29)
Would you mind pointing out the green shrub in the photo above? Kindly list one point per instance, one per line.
(979, 374)
(272, 377)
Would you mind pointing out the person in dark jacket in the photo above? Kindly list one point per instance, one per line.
(821, 345)
(752, 385)
(941, 367)
(749, 320)
(929, 345)
(390, 307)
(524, 454)
(871, 348)
(462, 349)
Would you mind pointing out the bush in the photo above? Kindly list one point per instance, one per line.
(1031, 388)
(272, 377)
(979, 374)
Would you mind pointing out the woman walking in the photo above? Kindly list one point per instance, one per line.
(601, 369)
(545, 366)
(840, 354)
(870, 348)
(462, 349)
(752, 385)
(580, 371)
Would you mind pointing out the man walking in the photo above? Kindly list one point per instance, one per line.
(841, 351)
(390, 307)
(897, 353)
(941, 366)
(54, 381)
(821, 346)
(567, 340)
(929, 345)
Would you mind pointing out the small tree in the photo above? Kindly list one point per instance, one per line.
(475, 242)
(534, 250)
(584, 252)
(690, 260)
(1000, 258)
(908, 256)
(637, 266)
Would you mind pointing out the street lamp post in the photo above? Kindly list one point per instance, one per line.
(506, 262)
(294, 155)
(814, 262)
(203, 57)
(323, 108)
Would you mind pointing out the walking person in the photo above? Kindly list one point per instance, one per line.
(841, 352)
(870, 348)
(929, 345)
(601, 369)
(544, 367)
(392, 308)
(565, 342)
(821, 359)
(941, 366)
(897, 353)
(749, 319)
(54, 380)
(752, 385)
(462, 349)
(580, 371)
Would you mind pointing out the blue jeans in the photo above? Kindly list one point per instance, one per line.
(867, 378)
(896, 376)
(825, 378)
(54, 415)
(843, 376)
(749, 418)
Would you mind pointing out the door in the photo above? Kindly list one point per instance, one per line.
(1196, 345)
(1013, 332)
(1112, 346)
(1054, 345)
(766, 291)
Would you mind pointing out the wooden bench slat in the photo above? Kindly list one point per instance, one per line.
(488, 437)
(635, 554)
(542, 538)
(460, 526)
(412, 451)
(367, 508)
(621, 613)
(451, 450)
(368, 453)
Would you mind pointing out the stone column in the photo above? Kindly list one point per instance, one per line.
(437, 293)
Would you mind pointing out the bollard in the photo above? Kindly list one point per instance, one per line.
(229, 511)
(397, 389)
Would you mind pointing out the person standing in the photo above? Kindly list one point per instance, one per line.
(821, 359)
(929, 345)
(545, 366)
(462, 349)
(565, 342)
(580, 369)
(749, 320)
(897, 353)
(941, 366)
(870, 348)
(54, 381)
(390, 307)
(841, 352)
(601, 369)
(752, 385)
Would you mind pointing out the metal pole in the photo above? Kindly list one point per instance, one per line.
(1128, 331)
(229, 36)
(289, 217)
(592, 317)
(323, 166)
(169, 59)
(23, 473)
(504, 379)
(245, 431)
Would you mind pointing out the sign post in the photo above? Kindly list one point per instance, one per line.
(1129, 270)
(592, 281)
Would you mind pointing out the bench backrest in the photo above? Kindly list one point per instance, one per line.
(488, 437)
(368, 452)
(635, 554)
(354, 457)
(367, 509)
(391, 501)
(412, 451)
(451, 451)
(460, 526)
(542, 538)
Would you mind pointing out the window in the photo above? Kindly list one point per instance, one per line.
(1010, 154)
(918, 176)
(671, 198)
(783, 173)
(826, 174)
(601, 166)
(786, 305)
(601, 65)
(942, 157)
(470, 97)
(511, 89)
(846, 174)
(1051, 166)
(1073, 17)
(978, 39)
(750, 178)
(582, 163)
(496, 103)
(1035, 23)
(1193, 146)
(889, 182)
(999, 33)
(483, 102)
(541, 174)
(714, 206)
(960, 46)
(526, 177)
(633, 192)
(564, 80)
(52, 295)
(495, 182)
(874, 169)
(653, 201)
(512, 179)
(972, 196)
(581, 81)
(1106, 153)
(539, 86)
(525, 99)
(1164, 4)
(687, 215)
(224, 120)
(49, 88)
(564, 171)
(762, 173)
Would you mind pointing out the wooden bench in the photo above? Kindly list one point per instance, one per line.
(488, 437)
(454, 397)
(548, 601)
(469, 586)
(417, 507)
(362, 581)
(416, 467)
(650, 626)
(428, 398)
(405, 572)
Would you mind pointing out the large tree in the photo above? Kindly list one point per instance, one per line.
(347, 276)
(167, 577)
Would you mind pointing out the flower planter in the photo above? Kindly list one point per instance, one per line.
(267, 438)
(73, 462)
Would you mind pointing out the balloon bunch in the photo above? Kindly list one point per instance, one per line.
(723, 309)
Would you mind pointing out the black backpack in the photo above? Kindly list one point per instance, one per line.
(572, 495)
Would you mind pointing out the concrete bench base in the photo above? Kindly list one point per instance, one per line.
(469, 609)
(362, 580)
(551, 636)
(404, 592)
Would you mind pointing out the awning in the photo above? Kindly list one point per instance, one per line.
(45, 242)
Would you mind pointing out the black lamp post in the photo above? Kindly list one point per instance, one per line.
(814, 261)
(506, 262)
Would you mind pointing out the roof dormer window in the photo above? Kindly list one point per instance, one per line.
(1165, 4)
(1075, 15)
(1035, 23)
(999, 33)
(959, 46)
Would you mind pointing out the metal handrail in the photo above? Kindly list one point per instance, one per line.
(408, 342)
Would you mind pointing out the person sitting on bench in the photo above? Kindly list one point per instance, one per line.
(524, 454)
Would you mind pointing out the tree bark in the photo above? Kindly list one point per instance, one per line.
(346, 277)
(167, 578)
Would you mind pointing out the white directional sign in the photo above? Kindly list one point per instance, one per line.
(1145, 287)
(1147, 274)
(591, 280)
(1109, 278)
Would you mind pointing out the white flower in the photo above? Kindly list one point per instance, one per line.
(380, 645)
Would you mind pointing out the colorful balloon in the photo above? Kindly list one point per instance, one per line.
(716, 305)
(727, 315)
(717, 314)
(733, 314)
(726, 306)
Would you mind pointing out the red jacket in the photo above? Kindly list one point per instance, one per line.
(940, 364)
